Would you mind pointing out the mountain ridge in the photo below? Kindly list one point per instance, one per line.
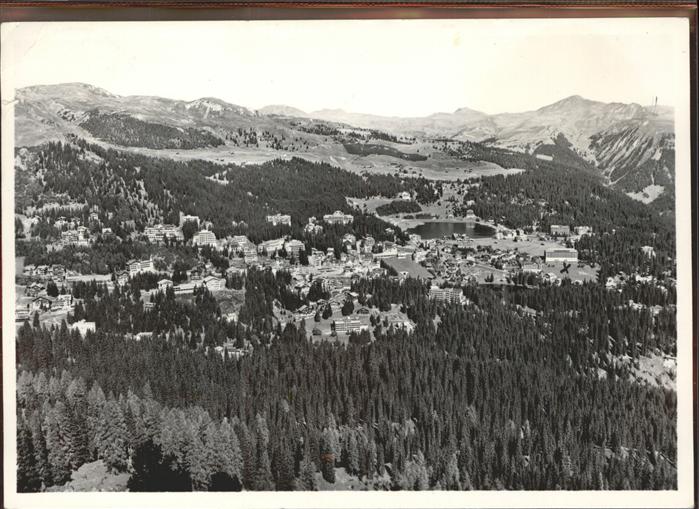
(631, 145)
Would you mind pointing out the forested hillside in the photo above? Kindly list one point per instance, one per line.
(141, 188)
(547, 196)
(489, 399)
(129, 131)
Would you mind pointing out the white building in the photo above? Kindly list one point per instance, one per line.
(583, 230)
(214, 284)
(270, 246)
(279, 219)
(348, 324)
(294, 247)
(649, 251)
(138, 266)
(557, 229)
(164, 284)
(204, 238)
(561, 254)
(366, 245)
(83, 327)
(158, 233)
(338, 217)
(184, 218)
(446, 294)
(312, 227)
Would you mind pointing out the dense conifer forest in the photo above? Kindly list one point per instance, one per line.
(129, 131)
(488, 398)
(398, 207)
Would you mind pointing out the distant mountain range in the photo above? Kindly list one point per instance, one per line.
(631, 145)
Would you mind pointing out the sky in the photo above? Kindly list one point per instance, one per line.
(387, 67)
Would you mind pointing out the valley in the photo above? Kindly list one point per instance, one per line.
(216, 298)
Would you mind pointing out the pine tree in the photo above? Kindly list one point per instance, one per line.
(26, 395)
(197, 461)
(328, 452)
(40, 452)
(223, 443)
(352, 454)
(57, 444)
(41, 387)
(263, 471)
(450, 478)
(307, 475)
(285, 467)
(153, 472)
(95, 407)
(247, 450)
(28, 480)
(76, 425)
(111, 436)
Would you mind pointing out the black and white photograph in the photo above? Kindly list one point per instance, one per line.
(334, 263)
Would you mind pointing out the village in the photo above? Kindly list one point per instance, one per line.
(509, 257)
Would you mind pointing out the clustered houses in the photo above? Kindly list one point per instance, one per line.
(558, 230)
(508, 234)
(279, 219)
(37, 301)
(78, 237)
(158, 233)
(45, 272)
(446, 263)
(338, 217)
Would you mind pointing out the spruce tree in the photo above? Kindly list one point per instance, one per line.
(226, 443)
(263, 470)
(197, 461)
(111, 437)
(328, 451)
(40, 452)
(353, 454)
(307, 476)
(57, 444)
(28, 480)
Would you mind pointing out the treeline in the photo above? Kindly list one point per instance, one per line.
(128, 131)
